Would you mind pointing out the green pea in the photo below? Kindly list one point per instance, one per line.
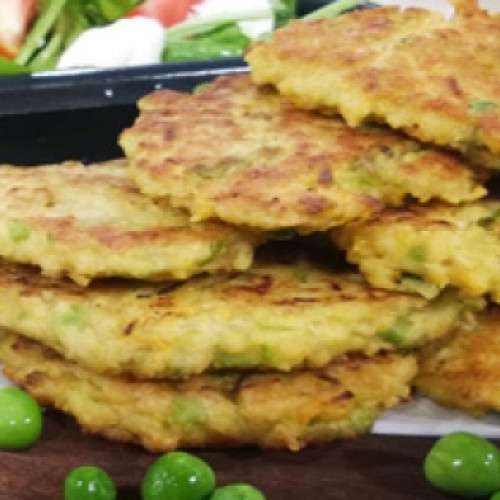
(237, 491)
(495, 496)
(19, 231)
(464, 464)
(89, 483)
(178, 476)
(20, 419)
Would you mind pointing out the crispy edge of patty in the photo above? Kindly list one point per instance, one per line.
(272, 410)
(462, 370)
(280, 316)
(394, 65)
(276, 166)
(92, 221)
(426, 248)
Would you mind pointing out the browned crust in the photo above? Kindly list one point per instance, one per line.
(240, 153)
(272, 410)
(92, 221)
(410, 68)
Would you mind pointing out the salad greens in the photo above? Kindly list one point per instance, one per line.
(102, 11)
(284, 11)
(225, 40)
(59, 22)
(11, 68)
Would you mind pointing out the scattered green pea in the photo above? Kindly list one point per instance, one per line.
(237, 491)
(20, 419)
(89, 483)
(463, 464)
(178, 476)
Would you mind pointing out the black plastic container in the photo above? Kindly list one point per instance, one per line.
(80, 117)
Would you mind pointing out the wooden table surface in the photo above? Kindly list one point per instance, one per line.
(372, 467)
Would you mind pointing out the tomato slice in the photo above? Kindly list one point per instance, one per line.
(15, 19)
(168, 12)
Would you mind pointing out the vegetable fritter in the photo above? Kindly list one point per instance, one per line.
(270, 409)
(90, 221)
(425, 248)
(275, 315)
(462, 371)
(241, 153)
(434, 78)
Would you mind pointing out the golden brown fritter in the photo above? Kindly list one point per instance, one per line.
(272, 410)
(436, 79)
(463, 371)
(243, 154)
(425, 248)
(275, 315)
(86, 222)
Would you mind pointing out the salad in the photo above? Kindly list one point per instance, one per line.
(45, 35)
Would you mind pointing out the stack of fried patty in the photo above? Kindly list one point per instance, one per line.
(176, 298)
(438, 81)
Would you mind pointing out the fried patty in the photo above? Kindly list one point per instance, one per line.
(462, 371)
(272, 410)
(275, 315)
(87, 222)
(425, 248)
(436, 79)
(243, 154)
